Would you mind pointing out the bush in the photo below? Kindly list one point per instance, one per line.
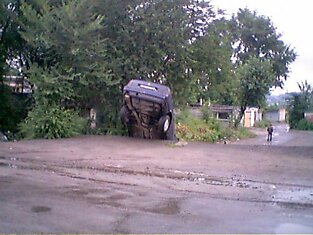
(50, 121)
(195, 129)
(262, 124)
(229, 133)
(209, 129)
(13, 110)
(305, 125)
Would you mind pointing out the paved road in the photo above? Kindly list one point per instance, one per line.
(98, 184)
(282, 136)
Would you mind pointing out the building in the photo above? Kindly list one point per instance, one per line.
(251, 116)
(277, 115)
(224, 112)
(19, 84)
(309, 116)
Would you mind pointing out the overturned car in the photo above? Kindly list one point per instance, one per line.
(147, 110)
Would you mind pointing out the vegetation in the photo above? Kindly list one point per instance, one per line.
(206, 129)
(263, 124)
(78, 55)
(50, 121)
(302, 102)
(305, 125)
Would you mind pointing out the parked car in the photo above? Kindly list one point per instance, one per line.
(147, 110)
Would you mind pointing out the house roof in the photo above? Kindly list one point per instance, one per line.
(223, 108)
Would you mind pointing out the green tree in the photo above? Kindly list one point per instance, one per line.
(255, 35)
(11, 106)
(255, 78)
(67, 58)
(151, 40)
(300, 103)
(212, 67)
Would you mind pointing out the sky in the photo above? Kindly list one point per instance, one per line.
(293, 19)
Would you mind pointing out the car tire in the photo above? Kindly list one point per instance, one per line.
(164, 124)
(124, 114)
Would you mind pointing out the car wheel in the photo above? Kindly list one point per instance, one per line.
(164, 123)
(124, 114)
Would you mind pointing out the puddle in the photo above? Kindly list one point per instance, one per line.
(10, 158)
(40, 209)
(170, 207)
(9, 165)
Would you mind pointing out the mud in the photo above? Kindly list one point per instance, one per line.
(98, 184)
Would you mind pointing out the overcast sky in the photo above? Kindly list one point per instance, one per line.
(293, 19)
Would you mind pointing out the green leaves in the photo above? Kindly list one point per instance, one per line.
(255, 79)
(255, 35)
(81, 53)
(50, 121)
(302, 102)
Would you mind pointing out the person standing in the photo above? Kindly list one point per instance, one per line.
(270, 132)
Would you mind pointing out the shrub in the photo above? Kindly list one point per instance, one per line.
(195, 129)
(305, 125)
(13, 110)
(50, 121)
(209, 129)
(262, 124)
(229, 133)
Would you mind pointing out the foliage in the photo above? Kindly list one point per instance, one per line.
(151, 40)
(296, 111)
(209, 129)
(211, 64)
(10, 40)
(263, 123)
(255, 78)
(300, 103)
(80, 54)
(206, 113)
(13, 109)
(69, 63)
(51, 121)
(305, 125)
(256, 36)
(196, 129)
(234, 134)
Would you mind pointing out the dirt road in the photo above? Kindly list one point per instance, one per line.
(100, 184)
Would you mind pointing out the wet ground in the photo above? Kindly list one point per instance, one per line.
(98, 184)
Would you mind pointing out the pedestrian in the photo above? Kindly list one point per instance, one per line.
(270, 132)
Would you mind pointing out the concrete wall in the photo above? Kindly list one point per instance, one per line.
(251, 116)
(276, 115)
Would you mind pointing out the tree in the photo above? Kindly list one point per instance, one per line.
(300, 103)
(151, 40)
(67, 57)
(255, 35)
(11, 109)
(211, 64)
(80, 54)
(255, 77)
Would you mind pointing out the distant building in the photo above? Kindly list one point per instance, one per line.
(224, 112)
(251, 116)
(18, 84)
(309, 116)
(278, 115)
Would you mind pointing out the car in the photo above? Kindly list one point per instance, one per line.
(148, 110)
